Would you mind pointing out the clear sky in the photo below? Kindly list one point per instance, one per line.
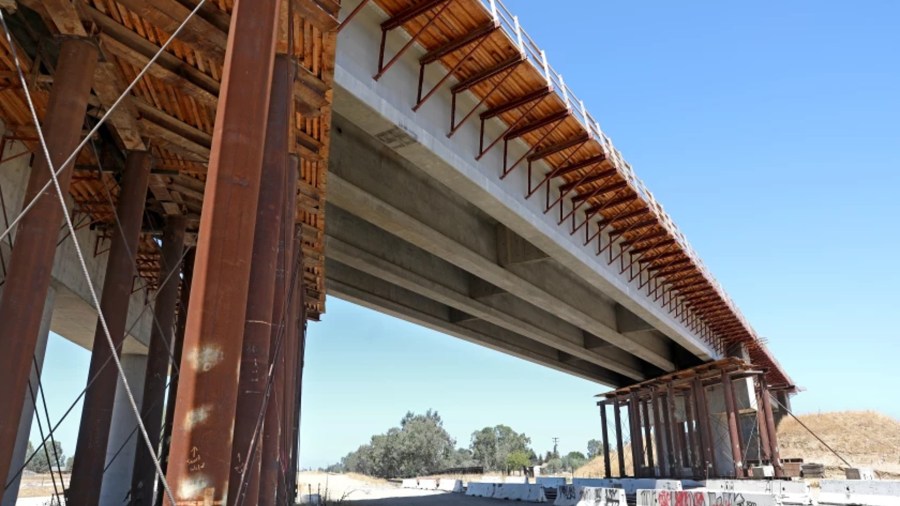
(771, 133)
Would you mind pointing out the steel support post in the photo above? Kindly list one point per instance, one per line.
(772, 429)
(31, 260)
(733, 426)
(271, 463)
(258, 321)
(659, 433)
(158, 357)
(763, 443)
(604, 432)
(300, 308)
(669, 431)
(177, 346)
(675, 428)
(620, 446)
(200, 459)
(637, 446)
(97, 410)
(690, 452)
(709, 455)
(648, 437)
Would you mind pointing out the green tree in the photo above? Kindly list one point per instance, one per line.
(517, 460)
(492, 445)
(594, 448)
(46, 457)
(419, 446)
(573, 460)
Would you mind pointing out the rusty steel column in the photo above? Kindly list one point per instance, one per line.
(300, 322)
(675, 428)
(690, 452)
(637, 446)
(668, 418)
(200, 458)
(258, 321)
(648, 437)
(604, 432)
(185, 299)
(771, 428)
(96, 414)
(31, 260)
(271, 464)
(733, 427)
(162, 336)
(708, 457)
(661, 453)
(620, 446)
(763, 443)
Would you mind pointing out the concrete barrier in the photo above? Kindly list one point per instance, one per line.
(450, 485)
(550, 481)
(629, 485)
(427, 484)
(695, 497)
(740, 498)
(410, 483)
(859, 492)
(790, 493)
(520, 492)
(481, 489)
(573, 495)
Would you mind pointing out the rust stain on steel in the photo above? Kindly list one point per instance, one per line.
(200, 458)
(96, 414)
(31, 261)
(162, 337)
(258, 324)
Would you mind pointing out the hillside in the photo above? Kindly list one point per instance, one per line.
(864, 438)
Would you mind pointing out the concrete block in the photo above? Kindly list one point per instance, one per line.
(740, 499)
(597, 496)
(520, 492)
(860, 473)
(410, 483)
(762, 471)
(450, 485)
(629, 485)
(788, 492)
(550, 481)
(481, 489)
(567, 495)
(859, 493)
(310, 499)
(427, 484)
(695, 497)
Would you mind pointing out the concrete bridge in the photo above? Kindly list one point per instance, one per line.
(464, 187)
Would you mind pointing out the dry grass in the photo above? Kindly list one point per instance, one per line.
(39, 485)
(594, 468)
(864, 438)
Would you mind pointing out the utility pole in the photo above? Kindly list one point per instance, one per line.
(555, 452)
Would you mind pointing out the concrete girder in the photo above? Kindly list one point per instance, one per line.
(413, 209)
(386, 257)
(360, 288)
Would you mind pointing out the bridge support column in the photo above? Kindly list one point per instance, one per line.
(123, 439)
(29, 410)
(771, 428)
(31, 261)
(607, 471)
(620, 446)
(733, 424)
(177, 345)
(200, 459)
(675, 430)
(708, 455)
(258, 322)
(97, 411)
(162, 337)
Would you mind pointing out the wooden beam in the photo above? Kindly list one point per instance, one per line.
(591, 179)
(167, 15)
(109, 85)
(459, 43)
(314, 13)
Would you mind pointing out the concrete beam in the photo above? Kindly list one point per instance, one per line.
(364, 247)
(424, 214)
(628, 322)
(360, 288)
(513, 249)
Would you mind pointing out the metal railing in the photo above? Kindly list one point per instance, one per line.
(532, 53)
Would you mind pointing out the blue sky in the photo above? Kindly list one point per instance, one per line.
(771, 133)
